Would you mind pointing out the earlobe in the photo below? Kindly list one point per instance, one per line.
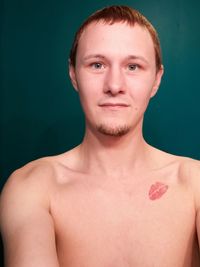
(72, 76)
(157, 82)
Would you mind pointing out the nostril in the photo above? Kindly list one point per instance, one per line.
(114, 92)
(114, 88)
(114, 83)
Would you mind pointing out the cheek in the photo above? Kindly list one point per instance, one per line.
(87, 83)
(141, 94)
(88, 96)
(90, 89)
(141, 89)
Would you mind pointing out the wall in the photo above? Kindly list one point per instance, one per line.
(39, 111)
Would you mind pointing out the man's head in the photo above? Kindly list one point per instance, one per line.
(114, 14)
(115, 65)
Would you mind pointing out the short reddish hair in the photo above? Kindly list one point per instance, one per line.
(118, 13)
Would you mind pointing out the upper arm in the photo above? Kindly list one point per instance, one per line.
(194, 177)
(26, 224)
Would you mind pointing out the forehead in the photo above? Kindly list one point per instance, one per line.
(116, 39)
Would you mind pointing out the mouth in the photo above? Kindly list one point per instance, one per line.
(114, 106)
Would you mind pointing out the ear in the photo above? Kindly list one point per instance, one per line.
(157, 81)
(72, 76)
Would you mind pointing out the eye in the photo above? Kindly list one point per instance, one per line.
(133, 67)
(97, 65)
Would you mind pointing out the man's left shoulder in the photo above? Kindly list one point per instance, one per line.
(189, 168)
(189, 173)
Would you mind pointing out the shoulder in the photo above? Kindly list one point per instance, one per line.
(185, 169)
(189, 172)
(189, 175)
(34, 173)
(184, 165)
(32, 183)
(189, 169)
(25, 218)
(186, 172)
(38, 178)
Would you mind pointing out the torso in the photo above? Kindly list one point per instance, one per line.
(104, 223)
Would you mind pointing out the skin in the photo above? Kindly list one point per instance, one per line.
(157, 190)
(113, 200)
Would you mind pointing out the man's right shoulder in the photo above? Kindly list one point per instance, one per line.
(25, 218)
(41, 175)
(37, 171)
(36, 179)
(28, 188)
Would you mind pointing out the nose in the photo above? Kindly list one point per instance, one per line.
(114, 82)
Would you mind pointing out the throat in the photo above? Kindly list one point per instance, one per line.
(112, 161)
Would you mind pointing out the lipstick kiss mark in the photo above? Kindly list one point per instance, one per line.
(157, 190)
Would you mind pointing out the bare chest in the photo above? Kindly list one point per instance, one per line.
(106, 228)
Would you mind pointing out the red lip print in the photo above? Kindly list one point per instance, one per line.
(157, 190)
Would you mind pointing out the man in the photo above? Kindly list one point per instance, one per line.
(114, 200)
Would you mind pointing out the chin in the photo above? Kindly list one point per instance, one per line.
(116, 131)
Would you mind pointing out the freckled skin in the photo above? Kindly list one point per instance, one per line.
(157, 190)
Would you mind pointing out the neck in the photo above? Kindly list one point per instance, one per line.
(112, 156)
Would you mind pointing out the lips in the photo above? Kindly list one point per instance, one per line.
(116, 104)
(157, 190)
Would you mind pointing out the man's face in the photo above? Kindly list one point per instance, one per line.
(115, 76)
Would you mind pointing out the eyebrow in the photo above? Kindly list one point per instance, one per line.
(94, 56)
(138, 57)
(99, 56)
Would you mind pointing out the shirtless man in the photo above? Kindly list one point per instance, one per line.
(114, 200)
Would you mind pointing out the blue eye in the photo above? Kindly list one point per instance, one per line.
(97, 65)
(132, 67)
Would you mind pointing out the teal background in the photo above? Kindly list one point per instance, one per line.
(39, 111)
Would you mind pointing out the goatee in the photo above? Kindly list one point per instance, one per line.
(115, 131)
